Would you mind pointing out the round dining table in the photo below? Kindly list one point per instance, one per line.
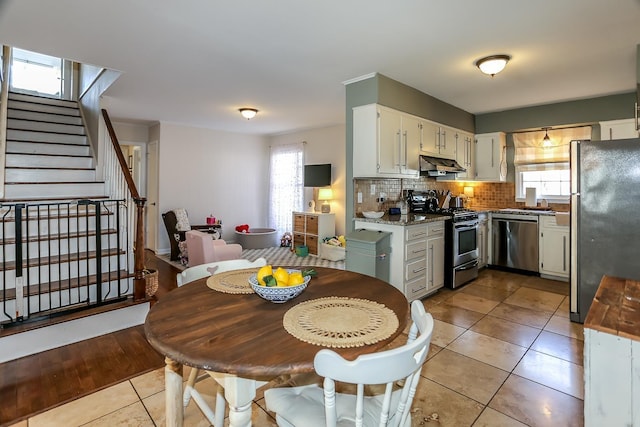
(240, 340)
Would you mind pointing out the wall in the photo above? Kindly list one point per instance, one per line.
(324, 145)
(211, 172)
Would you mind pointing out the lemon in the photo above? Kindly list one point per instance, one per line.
(296, 278)
(267, 270)
(282, 276)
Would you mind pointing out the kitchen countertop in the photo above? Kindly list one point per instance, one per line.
(404, 220)
(616, 308)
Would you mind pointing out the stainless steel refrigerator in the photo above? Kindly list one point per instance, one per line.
(605, 217)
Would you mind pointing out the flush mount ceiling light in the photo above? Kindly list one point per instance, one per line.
(248, 113)
(546, 141)
(493, 64)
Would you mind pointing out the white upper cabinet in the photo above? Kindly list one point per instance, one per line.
(385, 143)
(491, 157)
(618, 129)
(438, 140)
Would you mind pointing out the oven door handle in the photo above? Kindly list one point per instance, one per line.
(466, 226)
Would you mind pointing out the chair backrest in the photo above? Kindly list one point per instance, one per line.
(386, 367)
(204, 270)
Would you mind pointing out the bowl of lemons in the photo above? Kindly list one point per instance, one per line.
(279, 285)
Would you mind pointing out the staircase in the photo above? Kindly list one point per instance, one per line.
(65, 246)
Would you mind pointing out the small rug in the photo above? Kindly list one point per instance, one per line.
(275, 256)
(340, 322)
(283, 256)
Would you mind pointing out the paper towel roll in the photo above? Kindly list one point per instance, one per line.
(531, 199)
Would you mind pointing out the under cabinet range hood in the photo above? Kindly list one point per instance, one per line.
(436, 166)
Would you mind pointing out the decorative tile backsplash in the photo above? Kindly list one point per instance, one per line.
(492, 195)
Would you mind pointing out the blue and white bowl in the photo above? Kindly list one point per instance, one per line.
(277, 294)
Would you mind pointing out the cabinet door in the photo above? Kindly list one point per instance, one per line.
(618, 129)
(554, 252)
(411, 139)
(389, 141)
(430, 138)
(447, 142)
(435, 262)
(490, 156)
(482, 245)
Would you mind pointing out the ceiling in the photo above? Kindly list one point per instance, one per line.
(196, 62)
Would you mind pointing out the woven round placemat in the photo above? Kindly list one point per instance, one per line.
(340, 322)
(232, 282)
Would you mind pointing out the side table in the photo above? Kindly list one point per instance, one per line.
(215, 230)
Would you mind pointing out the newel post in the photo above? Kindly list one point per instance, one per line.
(139, 284)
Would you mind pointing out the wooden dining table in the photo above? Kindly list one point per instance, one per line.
(240, 338)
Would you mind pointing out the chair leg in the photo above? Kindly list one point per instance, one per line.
(188, 389)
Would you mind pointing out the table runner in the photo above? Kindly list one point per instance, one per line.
(232, 282)
(340, 322)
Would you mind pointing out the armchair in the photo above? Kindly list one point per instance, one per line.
(177, 224)
(203, 249)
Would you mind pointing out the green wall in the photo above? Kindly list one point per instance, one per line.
(586, 111)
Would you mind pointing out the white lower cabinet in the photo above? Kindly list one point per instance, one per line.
(435, 256)
(417, 256)
(483, 241)
(553, 249)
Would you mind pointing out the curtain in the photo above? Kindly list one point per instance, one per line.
(529, 149)
(286, 186)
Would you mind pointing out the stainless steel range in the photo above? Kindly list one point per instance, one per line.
(461, 237)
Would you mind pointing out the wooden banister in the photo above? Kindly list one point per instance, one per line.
(139, 284)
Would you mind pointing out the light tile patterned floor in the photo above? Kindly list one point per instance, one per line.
(503, 353)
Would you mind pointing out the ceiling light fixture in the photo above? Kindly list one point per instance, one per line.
(546, 141)
(493, 64)
(248, 113)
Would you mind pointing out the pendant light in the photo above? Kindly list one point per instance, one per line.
(546, 141)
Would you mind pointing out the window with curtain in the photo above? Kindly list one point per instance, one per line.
(545, 166)
(286, 185)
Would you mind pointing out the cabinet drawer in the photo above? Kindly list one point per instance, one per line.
(312, 224)
(416, 249)
(312, 243)
(435, 229)
(298, 240)
(416, 288)
(413, 233)
(298, 223)
(415, 269)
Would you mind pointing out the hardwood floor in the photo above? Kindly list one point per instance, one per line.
(35, 383)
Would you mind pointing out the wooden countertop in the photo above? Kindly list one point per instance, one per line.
(616, 308)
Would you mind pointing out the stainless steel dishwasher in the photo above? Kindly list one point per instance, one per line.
(515, 241)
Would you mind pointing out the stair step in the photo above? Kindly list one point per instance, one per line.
(59, 330)
(47, 199)
(41, 100)
(57, 236)
(11, 265)
(27, 135)
(28, 125)
(42, 148)
(77, 190)
(61, 285)
(48, 160)
(60, 110)
(43, 175)
(52, 214)
(16, 113)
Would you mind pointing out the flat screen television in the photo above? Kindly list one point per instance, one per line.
(317, 175)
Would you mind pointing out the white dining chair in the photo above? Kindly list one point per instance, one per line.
(312, 405)
(204, 270)
(214, 416)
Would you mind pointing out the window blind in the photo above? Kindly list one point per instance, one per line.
(529, 149)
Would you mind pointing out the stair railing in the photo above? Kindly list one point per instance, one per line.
(121, 185)
(4, 97)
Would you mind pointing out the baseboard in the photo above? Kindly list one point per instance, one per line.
(60, 334)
